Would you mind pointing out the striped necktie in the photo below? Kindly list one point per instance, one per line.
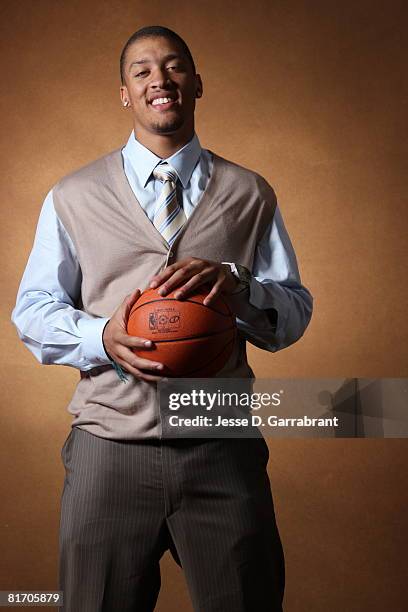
(169, 217)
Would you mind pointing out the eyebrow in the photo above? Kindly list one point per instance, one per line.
(167, 58)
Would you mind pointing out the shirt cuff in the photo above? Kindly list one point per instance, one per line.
(267, 294)
(93, 350)
(270, 296)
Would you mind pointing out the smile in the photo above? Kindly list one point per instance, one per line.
(160, 101)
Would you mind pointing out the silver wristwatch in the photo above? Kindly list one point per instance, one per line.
(242, 274)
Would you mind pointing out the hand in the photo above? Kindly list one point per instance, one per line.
(189, 274)
(118, 344)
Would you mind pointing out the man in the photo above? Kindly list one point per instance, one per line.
(165, 213)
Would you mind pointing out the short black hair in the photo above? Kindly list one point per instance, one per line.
(153, 32)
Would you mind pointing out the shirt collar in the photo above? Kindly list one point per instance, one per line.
(144, 161)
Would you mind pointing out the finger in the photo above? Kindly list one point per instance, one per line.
(183, 267)
(131, 360)
(141, 375)
(201, 278)
(129, 302)
(133, 341)
(140, 362)
(129, 356)
(214, 293)
(158, 279)
(181, 276)
(149, 377)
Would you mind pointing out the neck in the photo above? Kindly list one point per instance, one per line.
(163, 145)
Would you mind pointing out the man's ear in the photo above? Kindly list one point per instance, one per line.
(124, 96)
(199, 86)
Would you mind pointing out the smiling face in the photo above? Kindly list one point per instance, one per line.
(160, 87)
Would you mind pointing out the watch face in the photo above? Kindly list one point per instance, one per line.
(244, 275)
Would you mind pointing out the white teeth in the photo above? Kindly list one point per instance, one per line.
(161, 101)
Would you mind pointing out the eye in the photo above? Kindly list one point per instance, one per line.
(142, 73)
(175, 67)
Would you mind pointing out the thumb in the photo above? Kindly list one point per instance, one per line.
(129, 301)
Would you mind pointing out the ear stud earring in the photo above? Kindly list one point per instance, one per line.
(126, 103)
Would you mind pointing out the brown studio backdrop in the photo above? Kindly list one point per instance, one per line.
(313, 96)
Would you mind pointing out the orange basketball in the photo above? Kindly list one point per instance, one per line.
(190, 339)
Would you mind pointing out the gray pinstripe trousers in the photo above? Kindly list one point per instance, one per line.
(208, 501)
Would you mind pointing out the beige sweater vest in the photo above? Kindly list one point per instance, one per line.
(119, 250)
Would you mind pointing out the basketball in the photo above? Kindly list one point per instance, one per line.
(190, 339)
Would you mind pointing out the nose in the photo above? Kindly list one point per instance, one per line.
(160, 78)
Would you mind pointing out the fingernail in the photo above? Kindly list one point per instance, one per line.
(162, 292)
(159, 366)
(153, 284)
(148, 343)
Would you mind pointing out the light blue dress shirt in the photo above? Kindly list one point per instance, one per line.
(56, 332)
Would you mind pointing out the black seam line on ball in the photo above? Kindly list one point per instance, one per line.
(211, 360)
(192, 337)
(223, 314)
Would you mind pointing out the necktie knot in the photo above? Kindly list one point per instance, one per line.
(164, 172)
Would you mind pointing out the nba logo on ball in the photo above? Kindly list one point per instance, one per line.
(190, 338)
(164, 320)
